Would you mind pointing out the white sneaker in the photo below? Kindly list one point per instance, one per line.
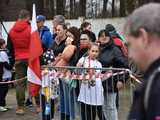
(3, 109)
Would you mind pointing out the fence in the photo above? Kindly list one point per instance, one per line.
(71, 93)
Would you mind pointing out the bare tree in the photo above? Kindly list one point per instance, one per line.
(131, 4)
(71, 8)
(122, 8)
(39, 5)
(104, 10)
(60, 7)
(113, 9)
(82, 5)
(52, 8)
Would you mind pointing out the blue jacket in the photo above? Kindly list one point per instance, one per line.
(46, 37)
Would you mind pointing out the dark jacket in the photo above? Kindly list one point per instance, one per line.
(1, 71)
(152, 111)
(112, 56)
(58, 48)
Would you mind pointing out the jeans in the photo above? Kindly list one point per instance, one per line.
(67, 100)
(109, 107)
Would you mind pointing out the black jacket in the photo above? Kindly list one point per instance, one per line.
(112, 56)
(1, 71)
(152, 111)
(58, 48)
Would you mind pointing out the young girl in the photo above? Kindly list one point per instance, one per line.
(5, 75)
(91, 93)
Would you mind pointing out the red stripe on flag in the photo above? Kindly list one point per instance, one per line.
(34, 64)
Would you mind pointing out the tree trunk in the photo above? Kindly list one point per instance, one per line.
(52, 8)
(130, 6)
(71, 9)
(122, 8)
(113, 10)
(82, 4)
(104, 11)
(60, 7)
(39, 5)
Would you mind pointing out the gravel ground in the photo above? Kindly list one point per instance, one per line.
(32, 115)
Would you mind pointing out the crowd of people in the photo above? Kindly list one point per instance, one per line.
(79, 47)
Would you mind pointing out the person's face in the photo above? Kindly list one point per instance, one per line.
(60, 31)
(3, 46)
(84, 39)
(89, 28)
(103, 39)
(136, 50)
(70, 38)
(40, 24)
(93, 52)
(69, 34)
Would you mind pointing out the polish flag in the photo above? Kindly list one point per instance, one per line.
(34, 71)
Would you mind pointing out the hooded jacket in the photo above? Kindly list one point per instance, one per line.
(111, 56)
(20, 37)
(46, 37)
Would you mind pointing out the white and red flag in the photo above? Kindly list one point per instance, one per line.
(34, 71)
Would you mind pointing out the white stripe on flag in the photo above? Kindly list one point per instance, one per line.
(32, 77)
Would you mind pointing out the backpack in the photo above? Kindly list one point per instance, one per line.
(48, 57)
(119, 43)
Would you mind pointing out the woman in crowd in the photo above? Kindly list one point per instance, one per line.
(68, 57)
(111, 56)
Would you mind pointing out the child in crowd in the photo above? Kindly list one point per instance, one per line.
(91, 91)
(5, 75)
(49, 87)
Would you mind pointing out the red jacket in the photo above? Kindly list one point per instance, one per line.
(20, 37)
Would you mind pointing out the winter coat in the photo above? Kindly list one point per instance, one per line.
(112, 56)
(20, 37)
(46, 37)
(58, 48)
(150, 110)
(5, 67)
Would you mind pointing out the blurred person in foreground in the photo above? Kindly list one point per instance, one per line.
(143, 39)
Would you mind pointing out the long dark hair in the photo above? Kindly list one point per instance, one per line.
(76, 33)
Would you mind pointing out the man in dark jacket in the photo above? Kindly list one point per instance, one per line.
(143, 39)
